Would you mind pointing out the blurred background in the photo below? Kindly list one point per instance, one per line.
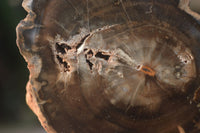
(15, 116)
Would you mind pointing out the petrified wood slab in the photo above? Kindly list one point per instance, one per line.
(112, 66)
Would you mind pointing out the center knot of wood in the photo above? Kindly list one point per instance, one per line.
(147, 70)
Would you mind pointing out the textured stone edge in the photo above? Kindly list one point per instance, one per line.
(184, 5)
(34, 69)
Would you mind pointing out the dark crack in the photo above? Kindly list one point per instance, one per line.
(64, 63)
(90, 52)
(103, 56)
(89, 63)
(60, 48)
(81, 42)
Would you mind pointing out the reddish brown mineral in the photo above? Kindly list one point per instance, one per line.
(112, 66)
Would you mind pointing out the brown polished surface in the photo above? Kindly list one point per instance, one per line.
(112, 66)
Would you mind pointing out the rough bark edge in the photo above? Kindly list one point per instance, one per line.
(184, 5)
(31, 99)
